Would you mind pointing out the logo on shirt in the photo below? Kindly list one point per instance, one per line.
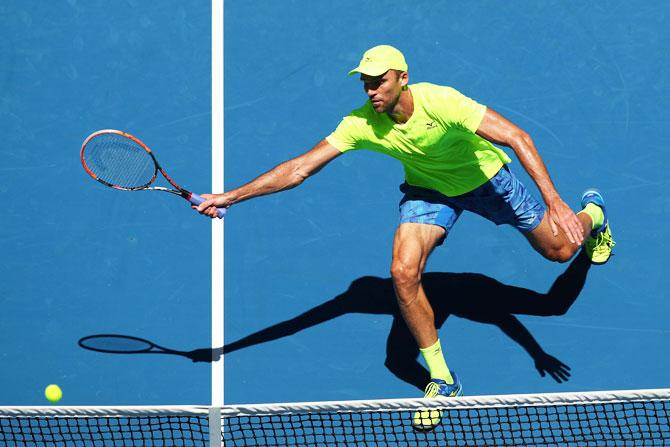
(431, 125)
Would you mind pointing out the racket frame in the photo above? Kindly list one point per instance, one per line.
(157, 167)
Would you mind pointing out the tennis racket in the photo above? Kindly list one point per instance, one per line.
(121, 161)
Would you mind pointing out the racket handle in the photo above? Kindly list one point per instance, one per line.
(197, 200)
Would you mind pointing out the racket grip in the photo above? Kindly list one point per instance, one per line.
(197, 200)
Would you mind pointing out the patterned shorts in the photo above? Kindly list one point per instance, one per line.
(503, 200)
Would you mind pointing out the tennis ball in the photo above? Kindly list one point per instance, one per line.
(53, 393)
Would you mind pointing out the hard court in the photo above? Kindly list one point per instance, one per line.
(310, 313)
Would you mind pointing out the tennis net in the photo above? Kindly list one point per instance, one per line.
(158, 426)
(617, 418)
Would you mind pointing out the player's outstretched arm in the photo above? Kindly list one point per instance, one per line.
(497, 129)
(287, 175)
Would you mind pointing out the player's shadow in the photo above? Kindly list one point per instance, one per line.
(467, 295)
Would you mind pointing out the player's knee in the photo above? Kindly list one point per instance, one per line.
(560, 255)
(404, 273)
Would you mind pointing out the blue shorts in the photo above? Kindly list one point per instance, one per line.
(502, 200)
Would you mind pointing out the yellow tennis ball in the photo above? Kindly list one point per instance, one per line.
(53, 393)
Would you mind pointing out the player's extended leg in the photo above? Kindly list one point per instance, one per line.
(412, 245)
(597, 234)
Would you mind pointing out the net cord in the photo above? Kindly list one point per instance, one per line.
(470, 402)
(104, 411)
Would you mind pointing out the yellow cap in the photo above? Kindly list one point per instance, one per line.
(380, 59)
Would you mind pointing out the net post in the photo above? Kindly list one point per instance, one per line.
(217, 396)
(215, 427)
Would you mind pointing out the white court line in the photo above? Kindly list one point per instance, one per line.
(217, 186)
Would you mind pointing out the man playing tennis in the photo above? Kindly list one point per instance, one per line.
(444, 141)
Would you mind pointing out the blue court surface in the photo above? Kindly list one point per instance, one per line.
(309, 308)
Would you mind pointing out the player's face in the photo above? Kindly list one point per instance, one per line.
(384, 90)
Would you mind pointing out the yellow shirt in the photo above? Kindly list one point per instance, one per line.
(437, 147)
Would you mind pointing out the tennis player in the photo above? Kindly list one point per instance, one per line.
(445, 142)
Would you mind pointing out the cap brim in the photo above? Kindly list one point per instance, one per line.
(370, 70)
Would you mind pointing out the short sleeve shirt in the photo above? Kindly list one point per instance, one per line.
(438, 146)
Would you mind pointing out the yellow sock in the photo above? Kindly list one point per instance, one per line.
(596, 214)
(436, 363)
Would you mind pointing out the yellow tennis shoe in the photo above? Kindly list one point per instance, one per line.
(427, 419)
(599, 243)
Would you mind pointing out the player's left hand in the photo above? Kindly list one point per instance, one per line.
(561, 216)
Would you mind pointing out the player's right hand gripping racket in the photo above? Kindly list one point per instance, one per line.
(121, 161)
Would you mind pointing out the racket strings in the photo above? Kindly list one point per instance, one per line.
(119, 161)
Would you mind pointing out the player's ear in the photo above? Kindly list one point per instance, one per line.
(403, 76)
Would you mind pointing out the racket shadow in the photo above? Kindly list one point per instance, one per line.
(472, 296)
(127, 344)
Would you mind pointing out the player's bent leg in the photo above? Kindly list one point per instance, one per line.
(597, 231)
(599, 243)
(556, 248)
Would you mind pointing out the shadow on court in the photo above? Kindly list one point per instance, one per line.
(472, 296)
(127, 344)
